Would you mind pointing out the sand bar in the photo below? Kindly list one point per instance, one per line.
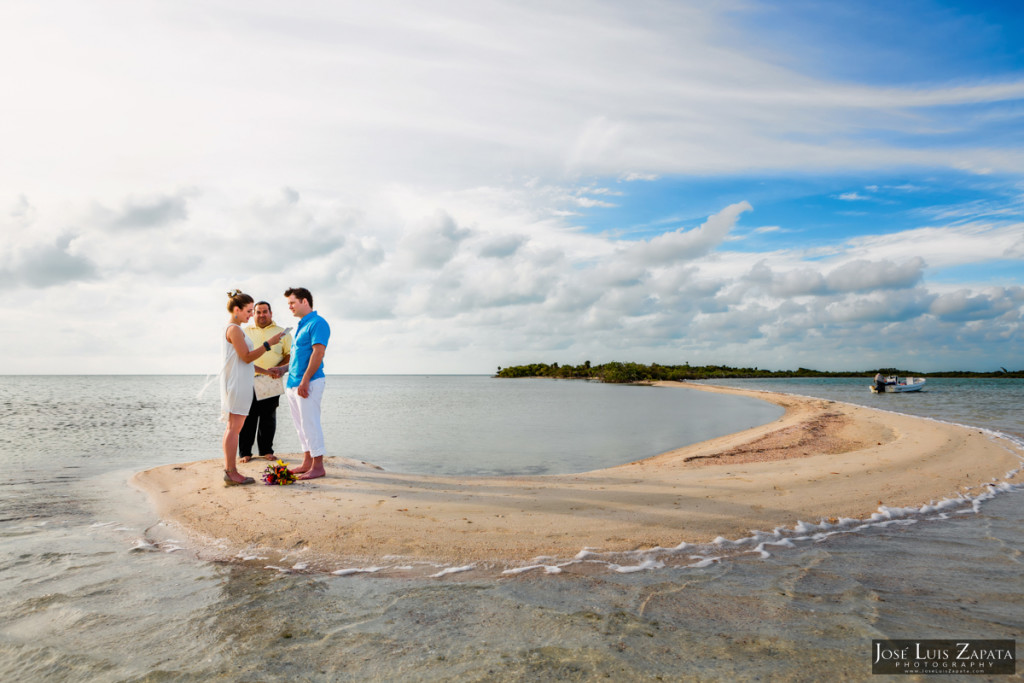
(822, 460)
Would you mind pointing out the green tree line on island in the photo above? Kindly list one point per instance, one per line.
(624, 373)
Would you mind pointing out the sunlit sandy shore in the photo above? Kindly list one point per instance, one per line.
(822, 460)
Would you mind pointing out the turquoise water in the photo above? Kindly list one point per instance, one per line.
(87, 596)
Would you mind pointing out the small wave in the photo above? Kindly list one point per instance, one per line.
(548, 569)
(357, 570)
(143, 546)
(645, 565)
(453, 570)
(251, 558)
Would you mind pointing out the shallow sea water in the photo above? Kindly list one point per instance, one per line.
(86, 596)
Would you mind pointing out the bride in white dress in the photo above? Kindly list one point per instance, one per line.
(236, 380)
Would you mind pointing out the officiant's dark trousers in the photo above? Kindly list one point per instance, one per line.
(260, 426)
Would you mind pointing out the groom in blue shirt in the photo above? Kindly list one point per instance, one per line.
(305, 386)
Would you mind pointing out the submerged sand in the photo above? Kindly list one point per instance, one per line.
(821, 460)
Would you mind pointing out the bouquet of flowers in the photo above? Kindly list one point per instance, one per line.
(278, 473)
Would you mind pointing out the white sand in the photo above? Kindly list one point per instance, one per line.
(821, 460)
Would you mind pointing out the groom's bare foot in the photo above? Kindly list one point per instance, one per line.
(302, 469)
(246, 458)
(313, 473)
(269, 456)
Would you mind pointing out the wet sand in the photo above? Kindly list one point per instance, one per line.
(821, 461)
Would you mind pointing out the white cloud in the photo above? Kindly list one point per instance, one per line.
(433, 243)
(686, 244)
(633, 176)
(590, 203)
(941, 246)
(963, 305)
(46, 264)
(860, 275)
(1015, 250)
(145, 213)
(886, 306)
(501, 246)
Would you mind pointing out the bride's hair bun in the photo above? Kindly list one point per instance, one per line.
(238, 299)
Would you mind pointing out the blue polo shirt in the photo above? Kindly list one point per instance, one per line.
(312, 330)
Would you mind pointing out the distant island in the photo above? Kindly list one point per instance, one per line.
(626, 373)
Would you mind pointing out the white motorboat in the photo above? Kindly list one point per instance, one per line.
(898, 385)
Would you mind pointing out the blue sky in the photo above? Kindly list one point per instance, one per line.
(465, 185)
(912, 42)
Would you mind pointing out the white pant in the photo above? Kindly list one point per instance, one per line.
(306, 416)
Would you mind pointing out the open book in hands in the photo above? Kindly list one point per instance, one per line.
(267, 387)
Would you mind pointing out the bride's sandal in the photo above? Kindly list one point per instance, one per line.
(228, 481)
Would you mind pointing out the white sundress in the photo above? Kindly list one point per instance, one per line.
(236, 380)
